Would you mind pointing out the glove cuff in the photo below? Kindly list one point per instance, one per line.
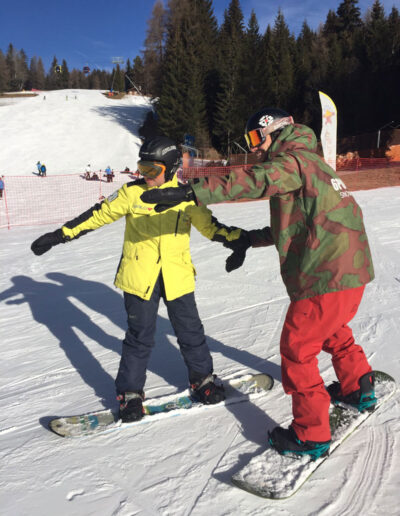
(59, 236)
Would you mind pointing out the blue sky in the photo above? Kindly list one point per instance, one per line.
(91, 32)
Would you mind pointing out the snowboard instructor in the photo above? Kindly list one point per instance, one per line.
(317, 228)
(155, 263)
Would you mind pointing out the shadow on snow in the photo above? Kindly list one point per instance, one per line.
(50, 304)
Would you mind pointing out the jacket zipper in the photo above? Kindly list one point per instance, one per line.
(177, 222)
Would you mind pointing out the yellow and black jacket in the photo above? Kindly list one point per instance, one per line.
(153, 242)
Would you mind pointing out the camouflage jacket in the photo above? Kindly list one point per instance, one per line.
(317, 226)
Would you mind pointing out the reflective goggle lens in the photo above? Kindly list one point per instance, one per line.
(150, 169)
(254, 138)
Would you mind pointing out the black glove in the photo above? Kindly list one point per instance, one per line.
(44, 243)
(167, 197)
(239, 247)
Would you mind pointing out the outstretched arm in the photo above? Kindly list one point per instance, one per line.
(239, 246)
(167, 197)
(231, 237)
(276, 177)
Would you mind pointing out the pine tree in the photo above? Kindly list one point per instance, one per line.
(252, 85)
(138, 73)
(64, 79)
(75, 79)
(349, 16)
(268, 71)
(128, 75)
(332, 23)
(283, 65)
(11, 58)
(154, 50)
(308, 77)
(182, 103)
(32, 77)
(41, 75)
(53, 78)
(4, 73)
(203, 43)
(118, 83)
(171, 104)
(22, 70)
(392, 107)
(94, 81)
(228, 116)
(378, 67)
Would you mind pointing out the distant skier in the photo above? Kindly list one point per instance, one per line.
(109, 174)
(325, 260)
(1, 187)
(155, 263)
(88, 171)
(41, 169)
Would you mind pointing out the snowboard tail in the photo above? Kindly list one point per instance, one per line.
(236, 390)
(275, 476)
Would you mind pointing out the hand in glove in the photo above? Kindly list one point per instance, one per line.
(239, 248)
(47, 241)
(164, 198)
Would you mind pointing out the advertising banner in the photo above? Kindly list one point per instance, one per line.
(329, 129)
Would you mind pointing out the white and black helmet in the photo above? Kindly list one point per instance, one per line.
(266, 121)
(162, 150)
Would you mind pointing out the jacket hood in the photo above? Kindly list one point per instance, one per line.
(294, 137)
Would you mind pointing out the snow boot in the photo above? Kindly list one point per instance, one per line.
(286, 442)
(207, 391)
(131, 406)
(362, 399)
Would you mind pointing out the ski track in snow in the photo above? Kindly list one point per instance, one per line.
(178, 466)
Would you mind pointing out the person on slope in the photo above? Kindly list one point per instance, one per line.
(88, 171)
(109, 174)
(325, 260)
(155, 263)
(41, 169)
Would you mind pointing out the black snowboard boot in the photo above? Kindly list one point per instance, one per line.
(130, 406)
(207, 391)
(362, 399)
(286, 442)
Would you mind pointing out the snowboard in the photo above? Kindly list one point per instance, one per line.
(271, 475)
(236, 390)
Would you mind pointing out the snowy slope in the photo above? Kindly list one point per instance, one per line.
(67, 129)
(61, 325)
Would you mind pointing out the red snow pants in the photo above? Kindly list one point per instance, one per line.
(311, 325)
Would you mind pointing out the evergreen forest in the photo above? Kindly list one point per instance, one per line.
(207, 79)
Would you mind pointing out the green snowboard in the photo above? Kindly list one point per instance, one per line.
(271, 475)
(236, 390)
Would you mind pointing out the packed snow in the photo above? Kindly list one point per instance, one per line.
(61, 326)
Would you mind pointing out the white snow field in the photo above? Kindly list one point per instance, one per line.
(61, 325)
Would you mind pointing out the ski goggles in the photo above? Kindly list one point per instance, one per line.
(257, 136)
(150, 169)
(254, 138)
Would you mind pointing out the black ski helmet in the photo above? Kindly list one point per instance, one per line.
(162, 150)
(268, 119)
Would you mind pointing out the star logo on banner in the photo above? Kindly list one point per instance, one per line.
(328, 116)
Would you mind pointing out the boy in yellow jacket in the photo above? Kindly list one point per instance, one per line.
(155, 263)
